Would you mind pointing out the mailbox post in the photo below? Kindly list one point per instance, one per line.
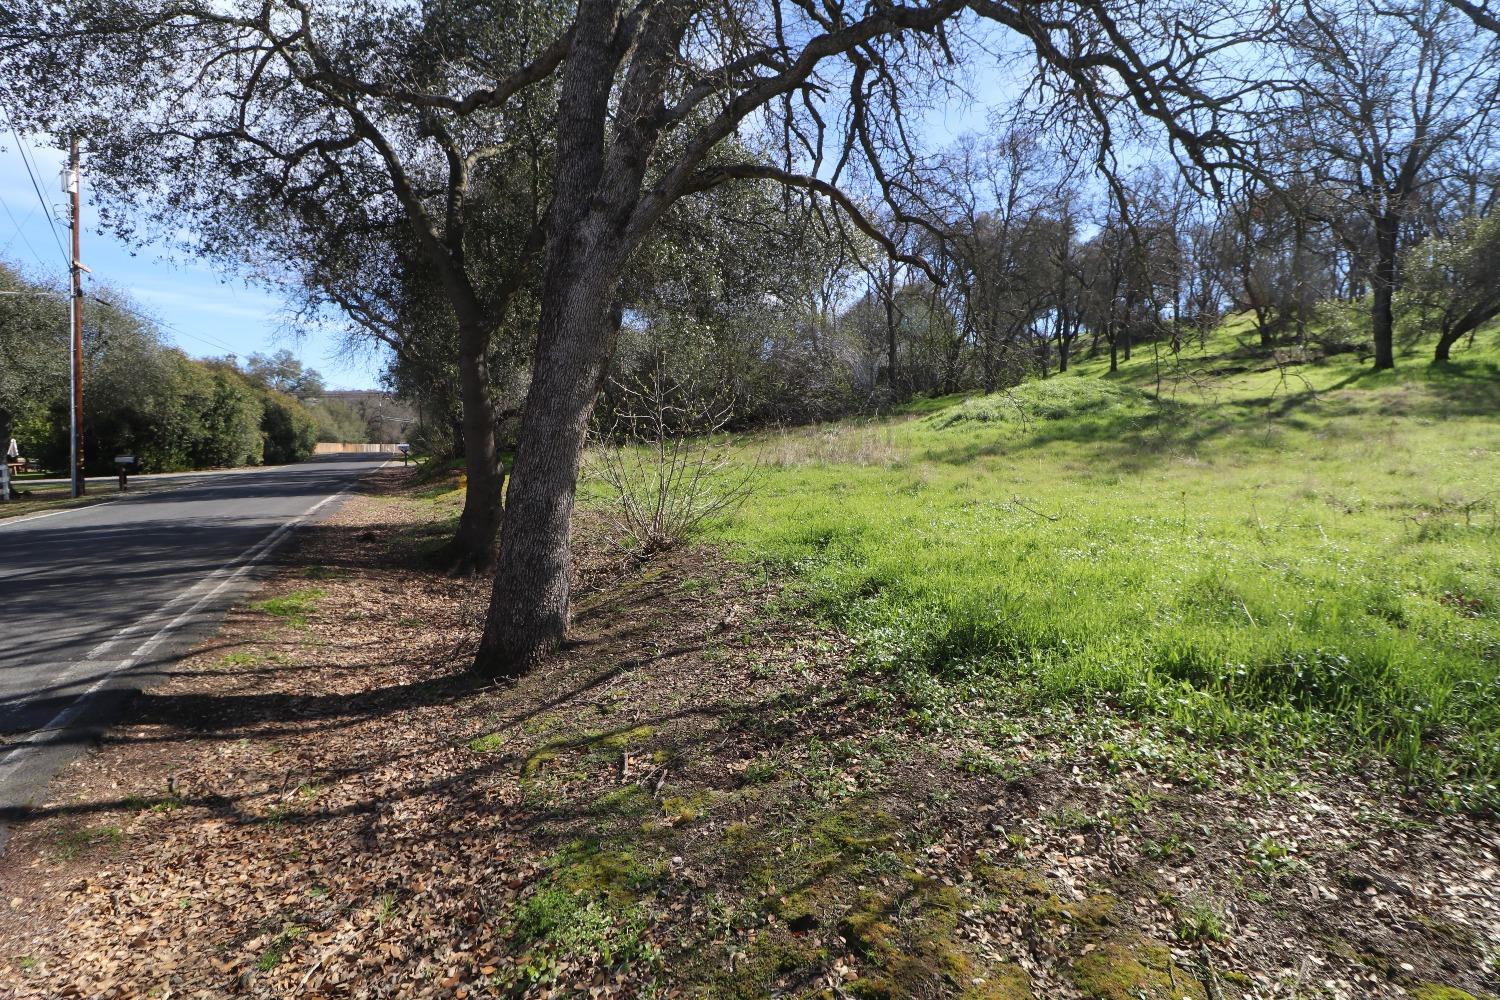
(405, 450)
(124, 463)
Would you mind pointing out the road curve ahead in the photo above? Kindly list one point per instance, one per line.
(95, 600)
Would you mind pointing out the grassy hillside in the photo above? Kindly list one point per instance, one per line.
(1239, 549)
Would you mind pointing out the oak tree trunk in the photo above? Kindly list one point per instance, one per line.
(1383, 282)
(890, 334)
(473, 545)
(1463, 326)
(529, 605)
(586, 244)
(1445, 343)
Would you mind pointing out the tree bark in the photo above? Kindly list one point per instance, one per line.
(889, 295)
(473, 544)
(1253, 291)
(1299, 275)
(1445, 343)
(1383, 280)
(456, 429)
(987, 365)
(586, 244)
(1466, 324)
(529, 605)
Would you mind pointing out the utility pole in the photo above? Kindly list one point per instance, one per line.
(76, 367)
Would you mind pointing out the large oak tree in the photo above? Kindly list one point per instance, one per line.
(656, 101)
(649, 96)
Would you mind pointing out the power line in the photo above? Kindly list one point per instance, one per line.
(22, 234)
(46, 210)
(52, 227)
(164, 325)
(158, 322)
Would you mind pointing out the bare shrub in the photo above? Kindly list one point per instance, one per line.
(664, 461)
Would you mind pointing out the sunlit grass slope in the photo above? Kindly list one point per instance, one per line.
(1273, 556)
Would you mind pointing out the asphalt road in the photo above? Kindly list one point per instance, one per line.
(96, 601)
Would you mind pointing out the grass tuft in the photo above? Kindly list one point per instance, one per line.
(294, 607)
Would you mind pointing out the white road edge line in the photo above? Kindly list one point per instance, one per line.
(229, 573)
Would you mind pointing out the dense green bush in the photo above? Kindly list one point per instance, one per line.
(141, 396)
(231, 412)
(138, 401)
(289, 430)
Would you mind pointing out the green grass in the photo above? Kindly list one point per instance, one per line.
(586, 909)
(293, 606)
(239, 658)
(279, 946)
(1245, 554)
(72, 841)
(489, 743)
(1200, 920)
(1049, 399)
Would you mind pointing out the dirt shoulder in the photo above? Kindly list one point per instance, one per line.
(697, 797)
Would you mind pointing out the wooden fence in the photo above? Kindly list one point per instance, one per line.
(340, 447)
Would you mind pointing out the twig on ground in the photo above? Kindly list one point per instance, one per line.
(1210, 977)
(315, 967)
(1016, 501)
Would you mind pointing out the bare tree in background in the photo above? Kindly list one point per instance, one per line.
(1384, 93)
(999, 197)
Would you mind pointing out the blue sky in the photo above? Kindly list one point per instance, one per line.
(201, 312)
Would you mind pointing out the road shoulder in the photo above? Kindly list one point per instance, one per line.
(133, 659)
